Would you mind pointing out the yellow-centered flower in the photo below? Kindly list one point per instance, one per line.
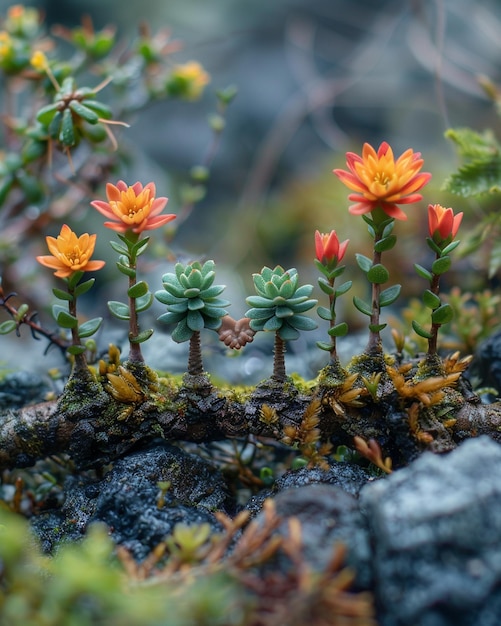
(39, 60)
(381, 181)
(192, 77)
(132, 208)
(70, 254)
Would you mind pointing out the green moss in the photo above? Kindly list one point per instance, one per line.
(83, 395)
(331, 375)
(367, 364)
(429, 367)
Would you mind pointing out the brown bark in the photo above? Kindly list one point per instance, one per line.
(97, 429)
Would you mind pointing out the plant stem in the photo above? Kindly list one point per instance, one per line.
(80, 362)
(374, 345)
(279, 373)
(135, 353)
(195, 363)
(433, 340)
(332, 323)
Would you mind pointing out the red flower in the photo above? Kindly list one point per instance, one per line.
(132, 208)
(443, 225)
(328, 249)
(380, 181)
(70, 253)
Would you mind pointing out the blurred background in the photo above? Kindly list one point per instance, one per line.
(315, 78)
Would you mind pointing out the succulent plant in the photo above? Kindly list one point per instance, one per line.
(192, 304)
(279, 303)
(278, 307)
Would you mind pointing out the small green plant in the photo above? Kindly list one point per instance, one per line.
(131, 210)
(70, 258)
(443, 226)
(192, 304)
(380, 184)
(278, 307)
(329, 253)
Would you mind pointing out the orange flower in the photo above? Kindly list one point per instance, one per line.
(328, 249)
(380, 181)
(70, 253)
(443, 225)
(132, 208)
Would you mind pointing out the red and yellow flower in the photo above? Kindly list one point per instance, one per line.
(443, 225)
(132, 208)
(329, 250)
(70, 254)
(381, 181)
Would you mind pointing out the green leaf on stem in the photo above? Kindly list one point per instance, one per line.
(339, 330)
(182, 333)
(483, 175)
(67, 130)
(119, 248)
(324, 313)
(442, 315)
(452, 246)
(388, 228)
(126, 269)
(433, 246)
(142, 336)
(324, 346)
(138, 290)
(62, 295)
(119, 310)
(388, 296)
(7, 327)
(88, 328)
(431, 300)
(63, 318)
(84, 287)
(423, 272)
(362, 306)
(74, 350)
(495, 257)
(441, 265)
(418, 329)
(74, 279)
(325, 286)
(144, 302)
(387, 243)
(375, 328)
(378, 274)
(342, 289)
(363, 262)
(139, 247)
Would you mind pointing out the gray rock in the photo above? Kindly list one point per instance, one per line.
(326, 504)
(329, 516)
(486, 365)
(435, 529)
(19, 389)
(126, 500)
(349, 477)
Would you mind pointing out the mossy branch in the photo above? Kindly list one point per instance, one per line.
(97, 428)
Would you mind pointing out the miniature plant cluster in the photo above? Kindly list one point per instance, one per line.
(378, 409)
(379, 184)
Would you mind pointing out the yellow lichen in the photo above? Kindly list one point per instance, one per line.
(124, 387)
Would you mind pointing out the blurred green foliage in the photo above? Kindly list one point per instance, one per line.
(85, 585)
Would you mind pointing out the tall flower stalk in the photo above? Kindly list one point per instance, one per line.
(329, 253)
(443, 226)
(70, 258)
(130, 211)
(380, 184)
